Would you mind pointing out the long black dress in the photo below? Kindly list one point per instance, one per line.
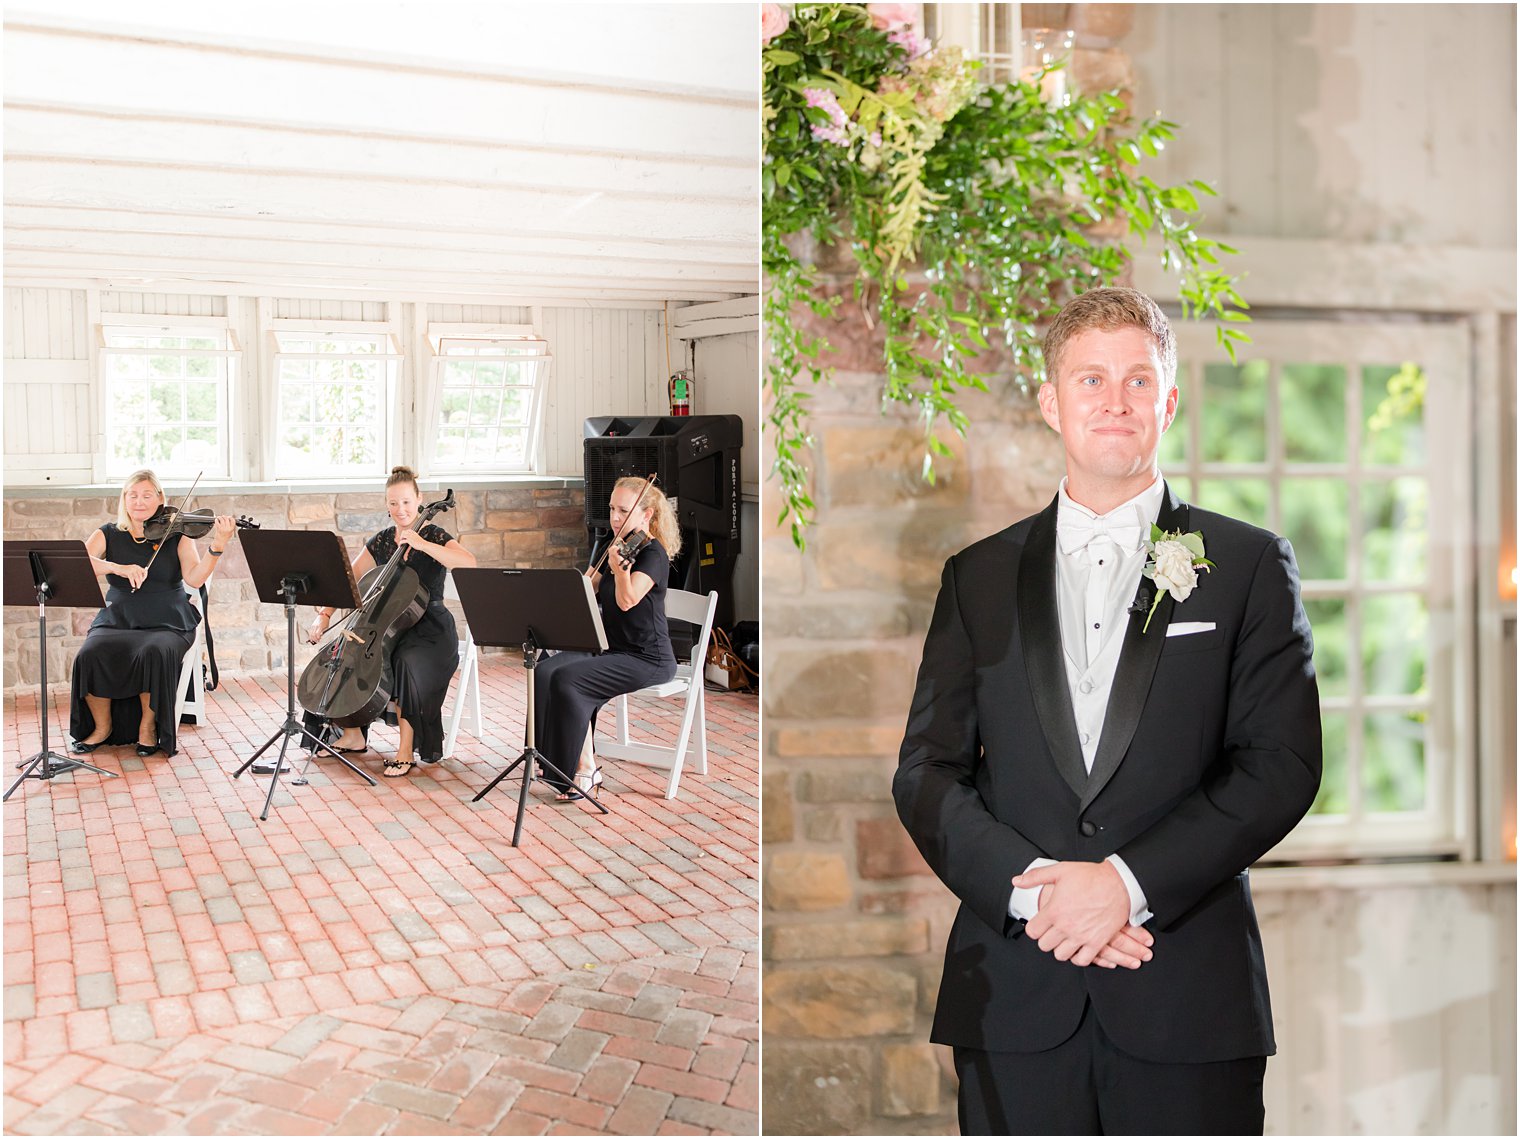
(570, 688)
(136, 643)
(424, 657)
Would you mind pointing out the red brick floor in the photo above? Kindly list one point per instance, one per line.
(379, 960)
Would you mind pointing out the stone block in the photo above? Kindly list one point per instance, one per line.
(864, 617)
(836, 1002)
(805, 880)
(825, 825)
(910, 1079)
(562, 516)
(866, 740)
(523, 545)
(884, 850)
(784, 568)
(899, 552)
(103, 509)
(49, 508)
(776, 823)
(351, 501)
(509, 499)
(860, 684)
(312, 509)
(816, 1089)
(846, 783)
(485, 546)
(1100, 69)
(1018, 468)
(466, 515)
(882, 466)
(881, 937)
(254, 658)
(366, 523)
(512, 520)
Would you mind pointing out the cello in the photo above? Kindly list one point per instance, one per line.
(348, 681)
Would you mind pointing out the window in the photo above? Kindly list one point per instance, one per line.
(335, 389)
(166, 402)
(1360, 461)
(488, 395)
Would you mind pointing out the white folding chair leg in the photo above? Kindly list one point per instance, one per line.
(190, 698)
(466, 711)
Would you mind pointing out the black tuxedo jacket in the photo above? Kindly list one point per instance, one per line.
(1210, 754)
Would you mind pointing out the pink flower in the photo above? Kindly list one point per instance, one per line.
(773, 21)
(830, 134)
(825, 100)
(913, 43)
(885, 17)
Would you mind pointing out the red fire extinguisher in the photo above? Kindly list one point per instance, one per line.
(680, 393)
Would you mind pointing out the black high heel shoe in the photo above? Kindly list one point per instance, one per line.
(79, 747)
(146, 750)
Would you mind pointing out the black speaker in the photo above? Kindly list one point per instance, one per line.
(696, 461)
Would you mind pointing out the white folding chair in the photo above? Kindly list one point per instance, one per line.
(190, 697)
(688, 683)
(466, 711)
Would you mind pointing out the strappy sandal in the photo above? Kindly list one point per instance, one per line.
(585, 784)
(395, 767)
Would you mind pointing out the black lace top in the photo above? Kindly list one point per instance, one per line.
(430, 571)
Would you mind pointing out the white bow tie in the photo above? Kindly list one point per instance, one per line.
(1123, 528)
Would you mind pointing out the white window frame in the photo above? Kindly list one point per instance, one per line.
(184, 326)
(1444, 351)
(439, 334)
(391, 356)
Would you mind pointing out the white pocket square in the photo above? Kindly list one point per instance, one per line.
(1183, 628)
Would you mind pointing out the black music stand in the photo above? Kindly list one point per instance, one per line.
(42, 573)
(533, 609)
(290, 568)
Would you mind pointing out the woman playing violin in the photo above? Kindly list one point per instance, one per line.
(572, 687)
(126, 674)
(423, 657)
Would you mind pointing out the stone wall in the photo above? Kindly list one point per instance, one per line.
(531, 526)
(855, 923)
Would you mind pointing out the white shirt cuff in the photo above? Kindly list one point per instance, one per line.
(1025, 902)
(1138, 914)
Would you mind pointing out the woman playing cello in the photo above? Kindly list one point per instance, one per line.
(572, 687)
(126, 673)
(424, 656)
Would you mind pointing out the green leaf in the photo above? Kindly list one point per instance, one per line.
(781, 57)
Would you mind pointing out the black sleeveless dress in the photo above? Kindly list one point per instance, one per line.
(570, 688)
(136, 644)
(424, 657)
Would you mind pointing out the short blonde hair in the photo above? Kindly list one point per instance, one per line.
(663, 526)
(1110, 309)
(123, 522)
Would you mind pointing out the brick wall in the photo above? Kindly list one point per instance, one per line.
(526, 526)
(855, 923)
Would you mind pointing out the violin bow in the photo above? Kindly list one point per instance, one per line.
(180, 509)
(648, 482)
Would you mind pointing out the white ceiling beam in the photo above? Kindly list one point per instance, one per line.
(41, 132)
(141, 272)
(314, 198)
(146, 77)
(422, 234)
(644, 45)
(300, 255)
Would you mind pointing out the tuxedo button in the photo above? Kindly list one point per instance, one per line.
(1086, 687)
(1088, 828)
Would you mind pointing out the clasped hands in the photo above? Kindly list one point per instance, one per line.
(1083, 916)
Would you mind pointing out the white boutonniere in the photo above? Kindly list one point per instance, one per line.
(1173, 564)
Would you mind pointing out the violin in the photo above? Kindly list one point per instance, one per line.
(627, 546)
(349, 679)
(168, 520)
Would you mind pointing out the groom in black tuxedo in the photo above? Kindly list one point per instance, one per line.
(1094, 790)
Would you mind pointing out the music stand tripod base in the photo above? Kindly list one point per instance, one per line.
(42, 573)
(326, 579)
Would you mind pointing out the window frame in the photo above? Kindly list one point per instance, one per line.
(393, 358)
(185, 326)
(1444, 350)
(439, 333)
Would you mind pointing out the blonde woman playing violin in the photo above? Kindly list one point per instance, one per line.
(572, 687)
(126, 673)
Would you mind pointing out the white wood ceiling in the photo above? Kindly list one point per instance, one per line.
(455, 150)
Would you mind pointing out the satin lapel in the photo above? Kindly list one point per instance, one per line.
(1040, 635)
(1137, 664)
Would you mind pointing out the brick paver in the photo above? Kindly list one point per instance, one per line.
(379, 960)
